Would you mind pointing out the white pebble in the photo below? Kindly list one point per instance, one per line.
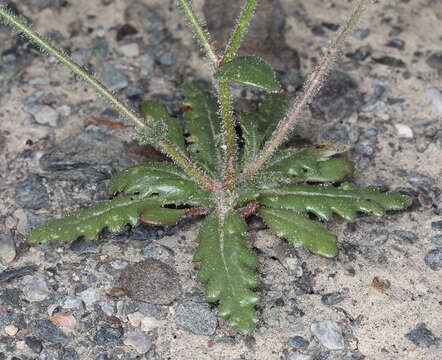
(34, 288)
(130, 50)
(404, 131)
(434, 96)
(149, 323)
(11, 330)
(138, 340)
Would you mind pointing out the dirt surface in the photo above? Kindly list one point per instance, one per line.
(390, 288)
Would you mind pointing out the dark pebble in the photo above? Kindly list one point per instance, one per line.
(360, 54)
(435, 60)
(366, 147)
(100, 48)
(32, 194)
(397, 44)
(102, 357)
(46, 331)
(330, 26)
(361, 34)
(196, 318)
(82, 246)
(339, 97)
(437, 240)
(151, 281)
(108, 334)
(11, 297)
(69, 354)
(125, 30)
(34, 344)
(12, 274)
(317, 30)
(374, 238)
(404, 236)
(390, 61)
(338, 133)
(434, 259)
(437, 225)
(421, 336)
(334, 298)
(421, 182)
(298, 342)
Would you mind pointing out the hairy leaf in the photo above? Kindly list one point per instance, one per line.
(323, 201)
(227, 268)
(158, 118)
(113, 214)
(161, 216)
(248, 71)
(169, 183)
(300, 230)
(204, 125)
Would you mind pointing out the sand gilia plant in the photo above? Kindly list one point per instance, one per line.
(213, 174)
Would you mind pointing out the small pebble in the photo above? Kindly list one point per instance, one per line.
(34, 288)
(72, 302)
(421, 336)
(196, 318)
(90, 296)
(34, 344)
(374, 238)
(397, 44)
(437, 225)
(390, 61)
(130, 50)
(404, 236)
(404, 131)
(435, 60)
(298, 342)
(434, 96)
(138, 340)
(7, 246)
(437, 240)
(329, 334)
(113, 78)
(11, 330)
(107, 334)
(434, 259)
(334, 298)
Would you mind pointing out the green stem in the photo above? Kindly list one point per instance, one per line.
(310, 89)
(74, 67)
(229, 135)
(188, 165)
(233, 45)
(177, 156)
(202, 35)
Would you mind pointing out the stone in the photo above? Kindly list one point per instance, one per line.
(404, 236)
(11, 330)
(72, 302)
(360, 34)
(34, 344)
(11, 297)
(434, 259)
(437, 240)
(90, 296)
(421, 336)
(196, 318)
(147, 64)
(434, 96)
(334, 298)
(7, 246)
(390, 61)
(113, 78)
(69, 354)
(435, 60)
(329, 334)
(421, 182)
(404, 131)
(100, 48)
(42, 114)
(108, 334)
(298, 342)
(139, 340)
(31, 193)
(338, 98)
(151, 281)
(46, 331)
(374, 238)
(397, 44)
(82, 246)
(437, 225)
(145, 18)
(130, 50)
(35, 288)
(336, 133)
(12, 274)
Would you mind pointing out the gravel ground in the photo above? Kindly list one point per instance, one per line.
(59, 146)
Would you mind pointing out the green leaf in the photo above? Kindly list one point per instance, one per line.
(300, 231)
(113, 214)
(227, 268)
(204, 125)
(323, 201)
(248, 71)
(332, 170)
(168, 182)
(161, 216)
(159, 120)
(295, 163)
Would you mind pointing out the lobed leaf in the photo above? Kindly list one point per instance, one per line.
(323, 201)
(113, 214)
(161, 216)
(167, 182)
(248, 71)
(159, 120)
(300, 230)
(227, 268)
(204, 125)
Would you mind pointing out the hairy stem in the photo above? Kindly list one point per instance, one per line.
(188, 165)
(177, 156)
(310, 89)
(74, 67)
(202, 35)
(229, 135)
(233, 45)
